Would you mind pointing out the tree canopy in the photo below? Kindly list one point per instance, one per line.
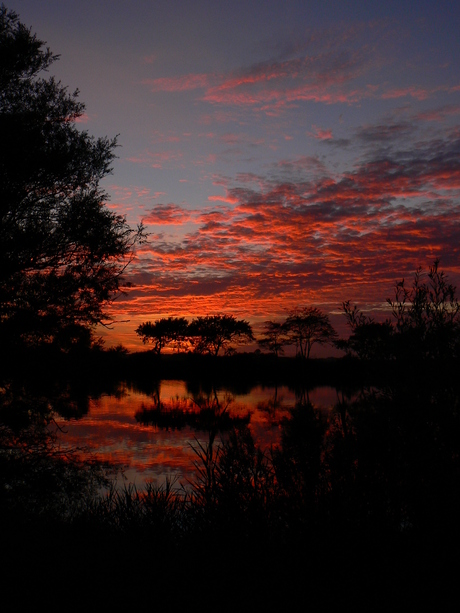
(212, 333)
(62, 250)
(274, 337)
(307, 326)
(207, 334)
(166, 331)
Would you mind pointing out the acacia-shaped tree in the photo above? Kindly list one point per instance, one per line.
(62, 251)
(167, 331)
(212, 333)
(307, 326)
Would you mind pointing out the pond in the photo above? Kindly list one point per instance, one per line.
(151, 434)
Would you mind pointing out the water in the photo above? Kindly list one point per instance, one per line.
(150, 435)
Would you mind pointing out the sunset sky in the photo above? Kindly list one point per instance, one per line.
(280, 153)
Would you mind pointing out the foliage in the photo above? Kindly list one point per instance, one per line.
(308, 326)
(426, 322)
(369, 339)
(62, 251)
(212, 333)
(427, 315)
(274, 337)
(163, 332)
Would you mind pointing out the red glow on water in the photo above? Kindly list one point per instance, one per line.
(145, 451)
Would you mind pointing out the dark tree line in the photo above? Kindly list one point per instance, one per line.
(423, 323)
(304, 327)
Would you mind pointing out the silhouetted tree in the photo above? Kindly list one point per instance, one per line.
(308, 326)
(369, 339)
(274, 337)
(427, 315)
(214, 332)
(166, 331)
(62, 252)
(426, 322)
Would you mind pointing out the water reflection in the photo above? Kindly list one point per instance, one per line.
(148, 430)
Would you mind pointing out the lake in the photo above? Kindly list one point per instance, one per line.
(150, 434)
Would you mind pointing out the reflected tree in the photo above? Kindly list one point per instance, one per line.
(40, 478)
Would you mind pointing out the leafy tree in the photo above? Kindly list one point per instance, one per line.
(274, 337)
(171, 330)
(308, 326)
(212, 333)
(62, 251)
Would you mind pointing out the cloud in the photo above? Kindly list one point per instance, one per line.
(385, 132)
(304, 164)
(320, 134)
(412, 91)
(272, 245)
(327, 68)
(166, 214)
(155, 159)
(439, 114)
(83, 118)
(228, 198)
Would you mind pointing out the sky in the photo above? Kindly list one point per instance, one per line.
(280, 153)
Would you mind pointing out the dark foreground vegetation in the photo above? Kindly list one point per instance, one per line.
(358, 506)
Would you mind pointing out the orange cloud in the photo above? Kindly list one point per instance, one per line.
(230, 199)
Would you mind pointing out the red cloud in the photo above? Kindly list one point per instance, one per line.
(164, 214)
(178, 84)
(413, 91)
(326, 75)
(318, 241)
(320, 134)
